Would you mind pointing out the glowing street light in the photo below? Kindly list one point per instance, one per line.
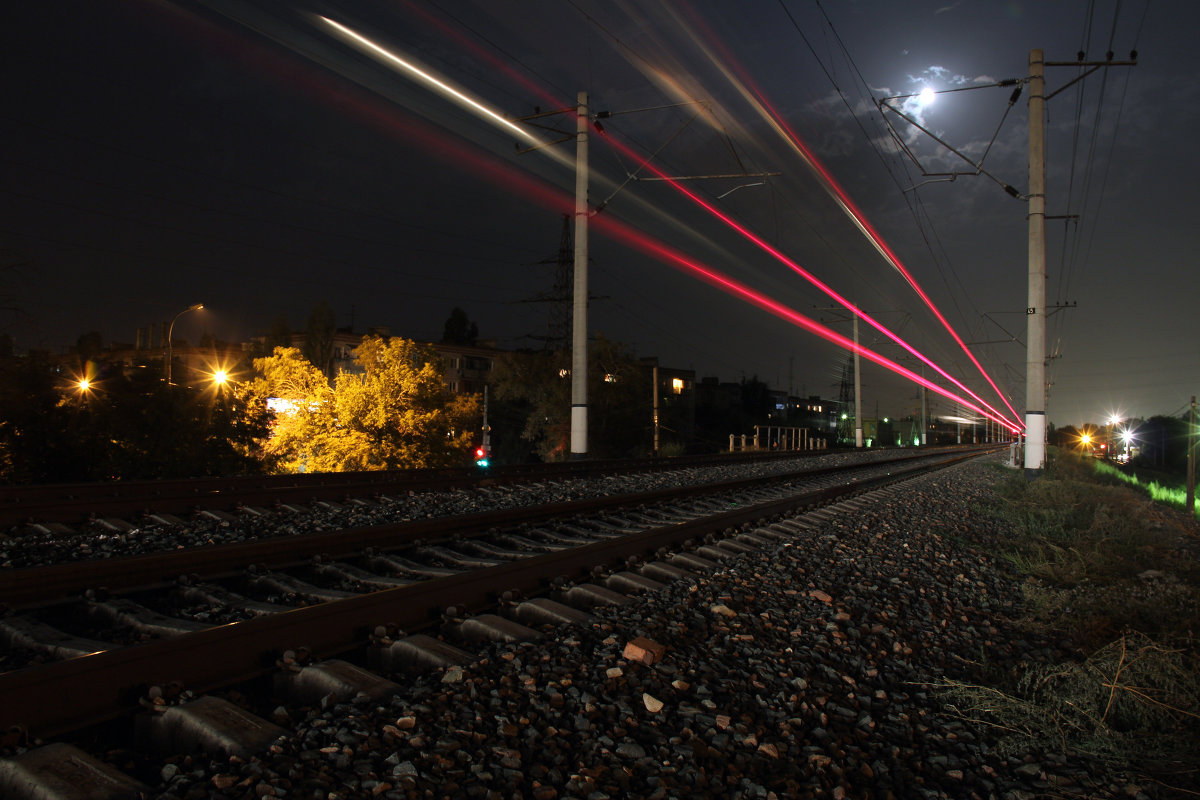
(171, 330)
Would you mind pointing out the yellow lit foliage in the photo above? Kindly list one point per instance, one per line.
(392, 413)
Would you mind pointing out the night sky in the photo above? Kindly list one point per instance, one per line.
(242, 154)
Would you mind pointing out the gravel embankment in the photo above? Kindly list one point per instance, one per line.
(801, 671)
(22, 547)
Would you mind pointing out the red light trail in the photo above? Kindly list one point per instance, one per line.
(507, 177)
(788, 262)
(666, 254)
(756, 97)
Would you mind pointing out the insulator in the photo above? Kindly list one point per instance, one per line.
(1016, 93)
(1133, 55)
(1079, 56)
(1109, 55)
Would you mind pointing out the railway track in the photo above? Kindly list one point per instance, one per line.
(393, 597)
(64, 506)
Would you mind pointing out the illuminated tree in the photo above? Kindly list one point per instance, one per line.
(303, 405)
(394, 412)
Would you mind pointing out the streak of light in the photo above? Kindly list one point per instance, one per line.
(493, 118)
(795, 267)
(442, 87)
(735, 288)
(439, 85)
(756, 98)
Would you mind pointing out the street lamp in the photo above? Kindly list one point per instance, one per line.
(171, 329)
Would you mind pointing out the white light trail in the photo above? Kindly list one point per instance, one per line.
(428, 79)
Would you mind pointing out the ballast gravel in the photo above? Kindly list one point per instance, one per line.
(804, 670)
(26, 546)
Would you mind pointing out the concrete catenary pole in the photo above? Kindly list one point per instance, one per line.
(579, 329)
(858, 425)
(924, 418)
(1035, 310)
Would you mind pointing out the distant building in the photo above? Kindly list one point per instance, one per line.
(676, 403)
(466, 368)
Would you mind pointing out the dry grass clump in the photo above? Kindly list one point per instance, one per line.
(1134, 700)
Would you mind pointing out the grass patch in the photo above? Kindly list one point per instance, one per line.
(1072, 526)
(1160, 493)
(1115, 579)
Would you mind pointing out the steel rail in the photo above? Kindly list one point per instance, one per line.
(73, 503)
(61, 697)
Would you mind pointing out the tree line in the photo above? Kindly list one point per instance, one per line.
(285, 412)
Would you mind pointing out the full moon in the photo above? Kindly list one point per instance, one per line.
(926, 96)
